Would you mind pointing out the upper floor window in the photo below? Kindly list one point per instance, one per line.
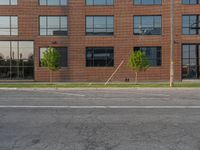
(191, 24)
(63, 55)
(53, 2)
(8, 2)
(99, 25)
(53, 25)
(147, 2)
(99, 57)
(153, 55)
(99, 2)
(147, 25)
(191, 1)
(8, 25)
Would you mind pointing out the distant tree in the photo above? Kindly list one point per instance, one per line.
(138, 62)
(50, 60)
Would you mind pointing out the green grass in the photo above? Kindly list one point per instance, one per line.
(87, 85)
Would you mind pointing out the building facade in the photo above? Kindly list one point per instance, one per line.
(95, 36)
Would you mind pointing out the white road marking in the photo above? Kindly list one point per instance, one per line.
(102, 107)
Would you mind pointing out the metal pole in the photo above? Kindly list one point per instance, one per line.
(172, 46)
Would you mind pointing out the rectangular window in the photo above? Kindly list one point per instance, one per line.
(99, 2)
(147, 2)
(8, 2)
(53, 2)
(99, 25)
(191, 24)
(191, 61)
(53, 25)
(63, 55)
(99, 57)
(153, 54)
(16, 60)
(191, 2)
(147, 25)
(8, 25)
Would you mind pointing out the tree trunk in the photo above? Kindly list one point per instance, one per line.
(50, 73)
(136, 77)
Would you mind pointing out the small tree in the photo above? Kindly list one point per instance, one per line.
(138, 62)
(50, 60)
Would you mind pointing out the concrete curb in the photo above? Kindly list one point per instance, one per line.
(134, 88)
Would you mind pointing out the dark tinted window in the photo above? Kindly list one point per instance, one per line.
(153, 54)
(63, 55)
(99, 57)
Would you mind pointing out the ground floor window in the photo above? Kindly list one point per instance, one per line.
(191, 61)
(63, 55)
(153, 54)
(16, 60)
(99, 57)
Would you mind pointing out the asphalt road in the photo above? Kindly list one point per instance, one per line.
(128, 119)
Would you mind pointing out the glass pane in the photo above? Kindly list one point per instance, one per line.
(4, 31)
(4, 2)
(4, 22)
(26, 50)
(186, 51)
(63, 2)
(53, 22)
(4, 72)
(4, 50)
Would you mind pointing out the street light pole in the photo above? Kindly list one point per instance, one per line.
(172, 45)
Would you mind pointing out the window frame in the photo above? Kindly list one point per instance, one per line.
(10, 3)
(10, 26)
(46, 29)
(197, 31)
(39, 3)
(93, 28)
(161, 58)
(141, 4)
(197, 2)
(101, 4)
(94, 66)
(67, 55)
(161, 28)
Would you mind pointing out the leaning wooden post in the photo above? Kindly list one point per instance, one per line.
(114, 72)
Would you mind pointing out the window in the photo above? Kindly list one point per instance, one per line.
(16, 60)
(147, 2)
(153, 55)
(63, 55)
(53, 25)
(191, 1)
(191, 61)
(8, 2)
(99, 57)
(147, 25)
(191, 24)
(8, 25)
(53, 2)
(99, 2)
(99, 25)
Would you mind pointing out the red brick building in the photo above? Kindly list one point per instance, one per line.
(94, 36)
